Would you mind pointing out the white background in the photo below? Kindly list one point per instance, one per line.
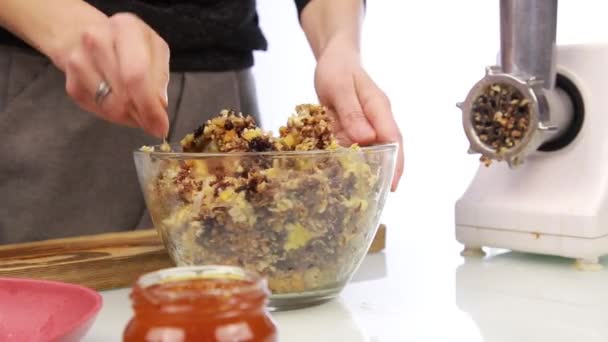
(426, 55)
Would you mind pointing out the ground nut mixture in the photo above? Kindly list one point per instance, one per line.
(303, 222)
(501, 118)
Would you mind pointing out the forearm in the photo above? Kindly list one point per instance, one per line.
(52, 27)
(326, 20)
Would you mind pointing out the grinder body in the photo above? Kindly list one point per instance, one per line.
(546, 190)
(555, 202)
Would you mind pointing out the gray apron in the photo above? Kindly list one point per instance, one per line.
(65, 172)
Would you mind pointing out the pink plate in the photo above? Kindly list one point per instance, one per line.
(45, 311)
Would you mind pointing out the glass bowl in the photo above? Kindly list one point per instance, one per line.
(302, 219)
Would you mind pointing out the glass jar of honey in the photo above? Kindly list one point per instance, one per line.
(200, 303)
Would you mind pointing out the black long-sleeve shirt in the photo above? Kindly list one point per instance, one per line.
(204, 35)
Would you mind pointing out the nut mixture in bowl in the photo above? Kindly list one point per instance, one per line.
(298, 208)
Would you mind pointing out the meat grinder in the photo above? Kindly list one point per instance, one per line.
(546, 189)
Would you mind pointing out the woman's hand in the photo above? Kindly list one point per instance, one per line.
(133, 60)
(90, 49)
(362, 110)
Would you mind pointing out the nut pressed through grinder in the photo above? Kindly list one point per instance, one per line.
(501, 117)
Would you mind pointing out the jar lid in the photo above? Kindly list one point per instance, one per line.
(245, 281)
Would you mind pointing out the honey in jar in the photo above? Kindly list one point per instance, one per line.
(202, 304)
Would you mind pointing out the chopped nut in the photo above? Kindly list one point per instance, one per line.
(486, 161)
(148, 149)
(165, 147)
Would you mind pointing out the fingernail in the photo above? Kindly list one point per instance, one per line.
(164, 97)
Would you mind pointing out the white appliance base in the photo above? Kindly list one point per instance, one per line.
(586, 251)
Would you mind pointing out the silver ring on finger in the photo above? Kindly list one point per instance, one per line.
(103, 90)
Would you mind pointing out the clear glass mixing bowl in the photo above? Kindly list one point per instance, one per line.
(302, 219)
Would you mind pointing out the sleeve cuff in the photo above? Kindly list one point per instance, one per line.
(300, 4)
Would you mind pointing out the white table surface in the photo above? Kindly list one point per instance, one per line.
(420, 289)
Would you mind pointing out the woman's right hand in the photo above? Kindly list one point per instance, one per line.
(133, 60)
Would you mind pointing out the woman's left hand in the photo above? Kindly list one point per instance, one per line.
(362, 111)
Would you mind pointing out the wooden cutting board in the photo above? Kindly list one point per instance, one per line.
(101, 262)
